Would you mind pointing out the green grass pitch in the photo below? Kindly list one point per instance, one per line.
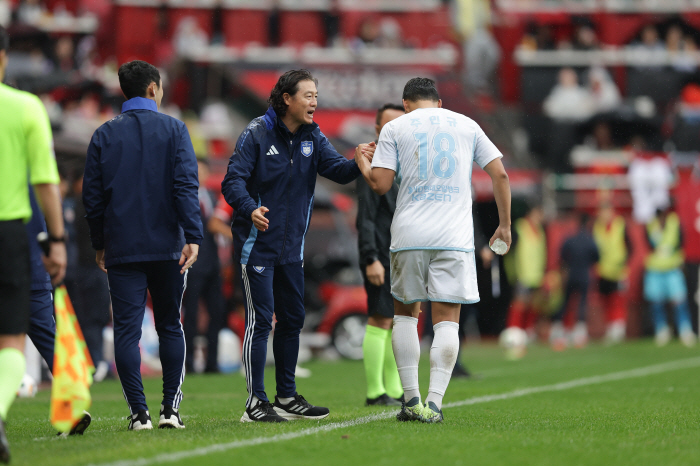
(579, 407)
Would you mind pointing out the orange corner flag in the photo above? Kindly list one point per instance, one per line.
(72, 367)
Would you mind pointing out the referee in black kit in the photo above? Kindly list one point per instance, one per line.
(140, 196)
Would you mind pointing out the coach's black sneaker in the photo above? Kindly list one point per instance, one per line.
(431, 414)
(170, 418)
(4, 445)
(382, 400)
(140, 421)
(299, 408)
(411, 411)
(263, 411)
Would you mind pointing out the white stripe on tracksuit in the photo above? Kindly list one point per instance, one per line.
(178, 394)
(248, 338)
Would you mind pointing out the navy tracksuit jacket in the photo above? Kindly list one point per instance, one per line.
(274, 168)
(42, 326)
(140, 196)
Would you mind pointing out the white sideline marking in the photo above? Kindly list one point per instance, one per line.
(597, 379)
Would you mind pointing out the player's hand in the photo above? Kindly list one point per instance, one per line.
(56, 262)
(368, 150)
(188, 256)
(100, 259)
(375, 273)
(502, 233)
(259, 220)
(360, 159)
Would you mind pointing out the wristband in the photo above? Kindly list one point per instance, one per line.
(57, 239)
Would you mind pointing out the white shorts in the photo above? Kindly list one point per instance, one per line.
(434, 275)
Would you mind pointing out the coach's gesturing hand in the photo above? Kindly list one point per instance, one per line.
(188, 256)
(259, 220)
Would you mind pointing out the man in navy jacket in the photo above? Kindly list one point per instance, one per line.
(270, 183)
(140, 196)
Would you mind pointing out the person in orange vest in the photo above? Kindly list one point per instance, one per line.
(664, 280)
(610, 234)
(527, 265)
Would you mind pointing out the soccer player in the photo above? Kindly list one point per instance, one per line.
(270, 183)
(140, 195)
(25, 147)
(430, 152)
(374, 214)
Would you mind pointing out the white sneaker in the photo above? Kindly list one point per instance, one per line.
(557, 337)
(617, 330)
(687, 337)
(580, 335)
(662, 337)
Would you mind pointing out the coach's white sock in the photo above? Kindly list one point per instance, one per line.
(443, 356)
(404, 340)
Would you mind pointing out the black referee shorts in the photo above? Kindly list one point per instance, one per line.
(379, 299)
(15, 278)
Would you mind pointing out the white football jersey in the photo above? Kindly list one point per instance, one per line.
(432, 151)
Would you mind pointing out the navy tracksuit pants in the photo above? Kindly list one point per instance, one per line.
(280, 291)
(128, 284)
(42, 326)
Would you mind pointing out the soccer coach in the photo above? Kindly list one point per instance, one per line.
(140, 196)
(270, 183)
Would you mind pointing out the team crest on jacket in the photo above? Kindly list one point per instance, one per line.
(307, 147)
(258, 269)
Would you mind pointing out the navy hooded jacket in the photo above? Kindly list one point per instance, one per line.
(140, 186)
(274, 168)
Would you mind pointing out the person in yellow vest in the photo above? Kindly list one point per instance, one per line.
(664, 280)
(526, 264)
(610, 234)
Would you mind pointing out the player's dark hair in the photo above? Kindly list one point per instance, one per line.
(135, 77)
(420, 89)
(4, 39)
(288, 83)
(380, 110)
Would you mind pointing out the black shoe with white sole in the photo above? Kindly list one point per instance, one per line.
(80, 427)
(4, 445)
(382, 400)
(299, 408)
(170, 418)
(140, 421)
(262, 412)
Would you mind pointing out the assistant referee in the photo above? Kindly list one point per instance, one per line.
(25, 148)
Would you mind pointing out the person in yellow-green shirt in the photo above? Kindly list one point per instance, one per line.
(25, 152)
(610, 234)
(526, 264)
(663, 278)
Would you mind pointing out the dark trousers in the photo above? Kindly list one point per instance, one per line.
(203, 281)
(42, 326)
(89, 292)
(267, 291)
(574, 286)
(128, 286)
